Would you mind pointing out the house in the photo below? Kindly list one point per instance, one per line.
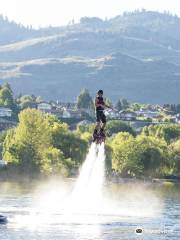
(66, 113)
(67, 105)
(57, 112)
(5, 112)
(111, 114)
(5, 124)
(78, 114)
(127, 115)
(88, 111)
(2, 163)
(147, 113)
(85, 122)
(46, 107)
(177, 120)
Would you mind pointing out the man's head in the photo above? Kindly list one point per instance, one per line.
(100, 93)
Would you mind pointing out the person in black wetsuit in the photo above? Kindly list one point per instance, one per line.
(100, 116)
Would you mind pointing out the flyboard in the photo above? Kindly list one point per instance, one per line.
(99, 137)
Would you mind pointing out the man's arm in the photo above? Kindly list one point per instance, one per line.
(108, 106)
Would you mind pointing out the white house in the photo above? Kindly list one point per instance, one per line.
(5, 112)
(111, 114)
(44, 106)
(127, 115)
(2, 163)
(148, 113)
(66, 113)
(178, 118)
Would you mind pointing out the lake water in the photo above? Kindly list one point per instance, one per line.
(45, 210)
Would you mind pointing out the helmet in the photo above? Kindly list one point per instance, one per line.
(100, 92)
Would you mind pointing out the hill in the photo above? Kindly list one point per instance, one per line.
(135, 55)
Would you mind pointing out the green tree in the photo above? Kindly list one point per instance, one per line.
(27, 142)
(118, 105)
(54, 162)
(136, 106)
(125, 156)
(125, 104)
(153, 154)
(6, 98)
(115, 126)
(174, 150)
(31, 144)
(108, 102)
(169, 132)
(84, 100)
(140, 156)
(73, 146)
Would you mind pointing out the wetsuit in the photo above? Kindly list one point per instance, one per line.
(100, 116)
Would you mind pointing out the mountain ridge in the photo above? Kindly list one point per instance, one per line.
(124, 55)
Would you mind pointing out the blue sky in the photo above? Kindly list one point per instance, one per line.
(61, 12)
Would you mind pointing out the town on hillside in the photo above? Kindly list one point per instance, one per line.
(82, 111)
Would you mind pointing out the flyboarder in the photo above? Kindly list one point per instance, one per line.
(100, 105)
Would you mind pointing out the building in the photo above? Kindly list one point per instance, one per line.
(177, 120)
(66, 113)
(2, 163)
(5, 112)
(111, 114)
(5, 124)
(127, 115)
(147, 113)
(46, 107)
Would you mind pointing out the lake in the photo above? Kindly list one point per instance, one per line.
(45, 210)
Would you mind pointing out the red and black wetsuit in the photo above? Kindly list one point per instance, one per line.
(100, 116)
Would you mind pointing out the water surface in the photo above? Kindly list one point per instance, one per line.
(46, 211)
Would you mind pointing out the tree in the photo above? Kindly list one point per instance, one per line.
(118, 105)
(73, 146)
(54, 162)
(108, 102)
(115, 126)
(174, 150)
(122, 104)
(140, 156)
(125, 156)
(169, 132)
(25, 145)
(6, 98)
(7, 85)
(84, 100)
(125, 103)
(136, 106)
(153, 154)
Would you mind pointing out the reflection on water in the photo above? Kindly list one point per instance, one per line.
(40, 211)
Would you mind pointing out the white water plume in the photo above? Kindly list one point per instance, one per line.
(87, 194)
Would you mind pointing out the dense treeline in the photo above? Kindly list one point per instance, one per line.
(153, 153)
(41, 144)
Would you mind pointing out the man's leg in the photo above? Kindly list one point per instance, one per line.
(97, 127)
(103, 125)
(95, 133)
(103, 120)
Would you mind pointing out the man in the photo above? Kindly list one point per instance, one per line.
(100, 116)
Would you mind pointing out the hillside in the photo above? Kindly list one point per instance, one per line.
(135, 55)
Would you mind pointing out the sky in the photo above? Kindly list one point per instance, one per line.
(41, 13)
